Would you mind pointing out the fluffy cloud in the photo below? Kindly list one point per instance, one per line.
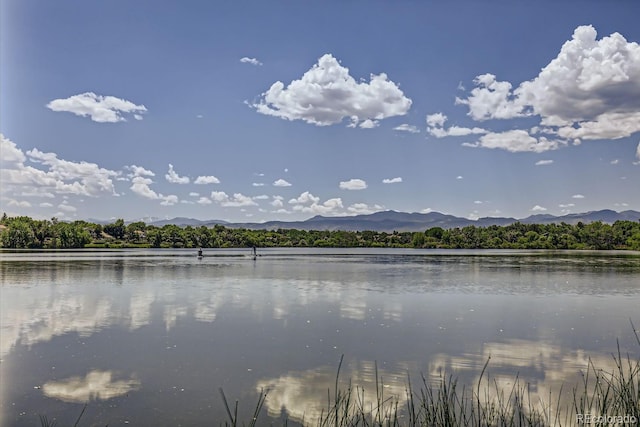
(367, 124)
(252, 61)
(210, 179)
(326, 95)
(516, 141)
(308, 203)
(304, 198)
(538, 208)
(235, 201)
(435, 127)
(436, 120)
(281, 183)
(139, 171)
(329, 207)
(353, 184)
(407, 128)
(19, 204)
(66, 208)
(93, 179)
(169, 200)
(591, 90)
(102, 109)
(363, 209)
(577, 196)
(544, 162)
(58, 177)
(140, 185)
(174, 178)
(277, 202)
(392, 180)
(491, 99)
(11, 154)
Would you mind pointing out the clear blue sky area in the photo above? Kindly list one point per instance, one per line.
(255, 111)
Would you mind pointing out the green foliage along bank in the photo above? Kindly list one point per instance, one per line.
(26, 233)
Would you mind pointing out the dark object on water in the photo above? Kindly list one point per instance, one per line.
(200, 253)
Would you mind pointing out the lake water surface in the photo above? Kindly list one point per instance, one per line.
(148, 337)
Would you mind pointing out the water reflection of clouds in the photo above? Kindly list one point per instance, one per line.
(30, 316)
(546, 368)
(302, 394)
(96, 385)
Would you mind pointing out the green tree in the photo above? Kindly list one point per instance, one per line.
(19, 235)
(116, 230)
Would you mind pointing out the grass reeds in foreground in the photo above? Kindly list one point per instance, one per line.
(602, 399)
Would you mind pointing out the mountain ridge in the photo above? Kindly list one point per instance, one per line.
(391, 220)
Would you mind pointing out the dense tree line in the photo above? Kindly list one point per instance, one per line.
(27, 233)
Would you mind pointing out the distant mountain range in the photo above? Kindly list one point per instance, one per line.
(390, 221)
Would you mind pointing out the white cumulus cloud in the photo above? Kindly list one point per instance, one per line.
(590, 90)
(174, 178)
(392, 180)
(235, 201)
(516, 141)
(363, 209)
(277, 202)
(435, 126)
(368, 124)
(538, 208)
(66, 208)
(252, 61)
(210, 179)
(353, 184)
(326, 95)
(140, 185)
(11, 154)
(19, 203)
(102, 109)
(304, 198)
(281, 183)
(308, 203)
(57, 176)
(407, 128)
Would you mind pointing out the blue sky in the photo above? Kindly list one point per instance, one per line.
(254, 111)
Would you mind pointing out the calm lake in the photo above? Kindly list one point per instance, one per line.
(148, 337)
